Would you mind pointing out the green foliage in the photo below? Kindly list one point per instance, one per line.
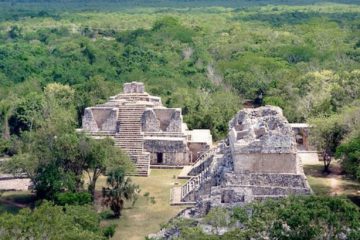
(169, 28)
(4, 145)
(73, 198)
(349, 152)
(56, 63)
(322, 217)
(52, 154)
(327, 133)
(109, 231)
(52, 222)
(119, 190)
(217, 217)
(107, 214)
(308, 217)
(304, 58)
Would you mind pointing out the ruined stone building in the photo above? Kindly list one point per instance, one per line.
(301, 131)
(258, 160)
(148, 131)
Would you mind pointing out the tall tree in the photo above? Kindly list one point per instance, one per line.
(101, 156)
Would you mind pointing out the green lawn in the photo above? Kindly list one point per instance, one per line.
(145, 218)
(136, 222)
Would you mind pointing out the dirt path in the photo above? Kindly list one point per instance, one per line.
(336, 188)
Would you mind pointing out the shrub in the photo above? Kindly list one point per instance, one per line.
(109, 231)
(70, 198)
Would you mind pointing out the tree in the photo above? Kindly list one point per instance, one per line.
(119, 190)
(54, 156)
(100, 157)
(27, 113)
(52, 222)
(326, 134)
(6, 110)
(349, 152)
(218, 217)
(15, 32)
(61, 94)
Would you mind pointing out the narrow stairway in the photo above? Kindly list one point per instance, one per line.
(130, 139)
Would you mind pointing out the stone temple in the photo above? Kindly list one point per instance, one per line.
(151, 133)
(258, 160)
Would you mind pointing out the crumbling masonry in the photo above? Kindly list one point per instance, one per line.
(257, 161)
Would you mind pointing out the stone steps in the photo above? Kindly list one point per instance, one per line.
(130, 138)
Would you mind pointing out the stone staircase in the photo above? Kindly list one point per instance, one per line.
(199, 174)
(130, 137)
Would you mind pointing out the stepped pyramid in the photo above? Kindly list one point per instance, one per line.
(145, 129)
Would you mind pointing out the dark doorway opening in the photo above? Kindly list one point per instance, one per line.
(159, 157)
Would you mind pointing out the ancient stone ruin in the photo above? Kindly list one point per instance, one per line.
(257, 161)
(148, 131)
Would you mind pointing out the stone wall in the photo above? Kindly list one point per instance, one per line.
(88, 121)
(149, 121)
(134, 87)
(263, 179)
(265, 163)
(162, 120)
(197, 149)
(100, 119)
(170, 158)
(173, 152)
(261, 130)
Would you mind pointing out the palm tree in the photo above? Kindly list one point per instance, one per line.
(120, 189)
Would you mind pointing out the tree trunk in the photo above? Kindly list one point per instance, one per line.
(6, 129)
(326, 161)
(91, 189)
(92, 183)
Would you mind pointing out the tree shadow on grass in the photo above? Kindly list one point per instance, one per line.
(13, 202)
(355, 199)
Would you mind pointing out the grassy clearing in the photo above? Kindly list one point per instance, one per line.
(332, 184)
(145, 218)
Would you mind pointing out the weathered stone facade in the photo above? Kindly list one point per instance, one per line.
(148, 131)
(258, 160)
(100, 119)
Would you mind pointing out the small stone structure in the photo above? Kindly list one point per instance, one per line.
(257, 161)
(148, 131)
(301, 131)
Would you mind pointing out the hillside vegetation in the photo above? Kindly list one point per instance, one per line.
(304, 59)
(208, 58)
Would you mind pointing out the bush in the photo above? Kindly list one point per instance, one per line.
(4, 145)
(109, 231)
(107, 214)
(70, 198)
(350, 154)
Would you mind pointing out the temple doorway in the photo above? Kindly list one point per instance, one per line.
(159, 157)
